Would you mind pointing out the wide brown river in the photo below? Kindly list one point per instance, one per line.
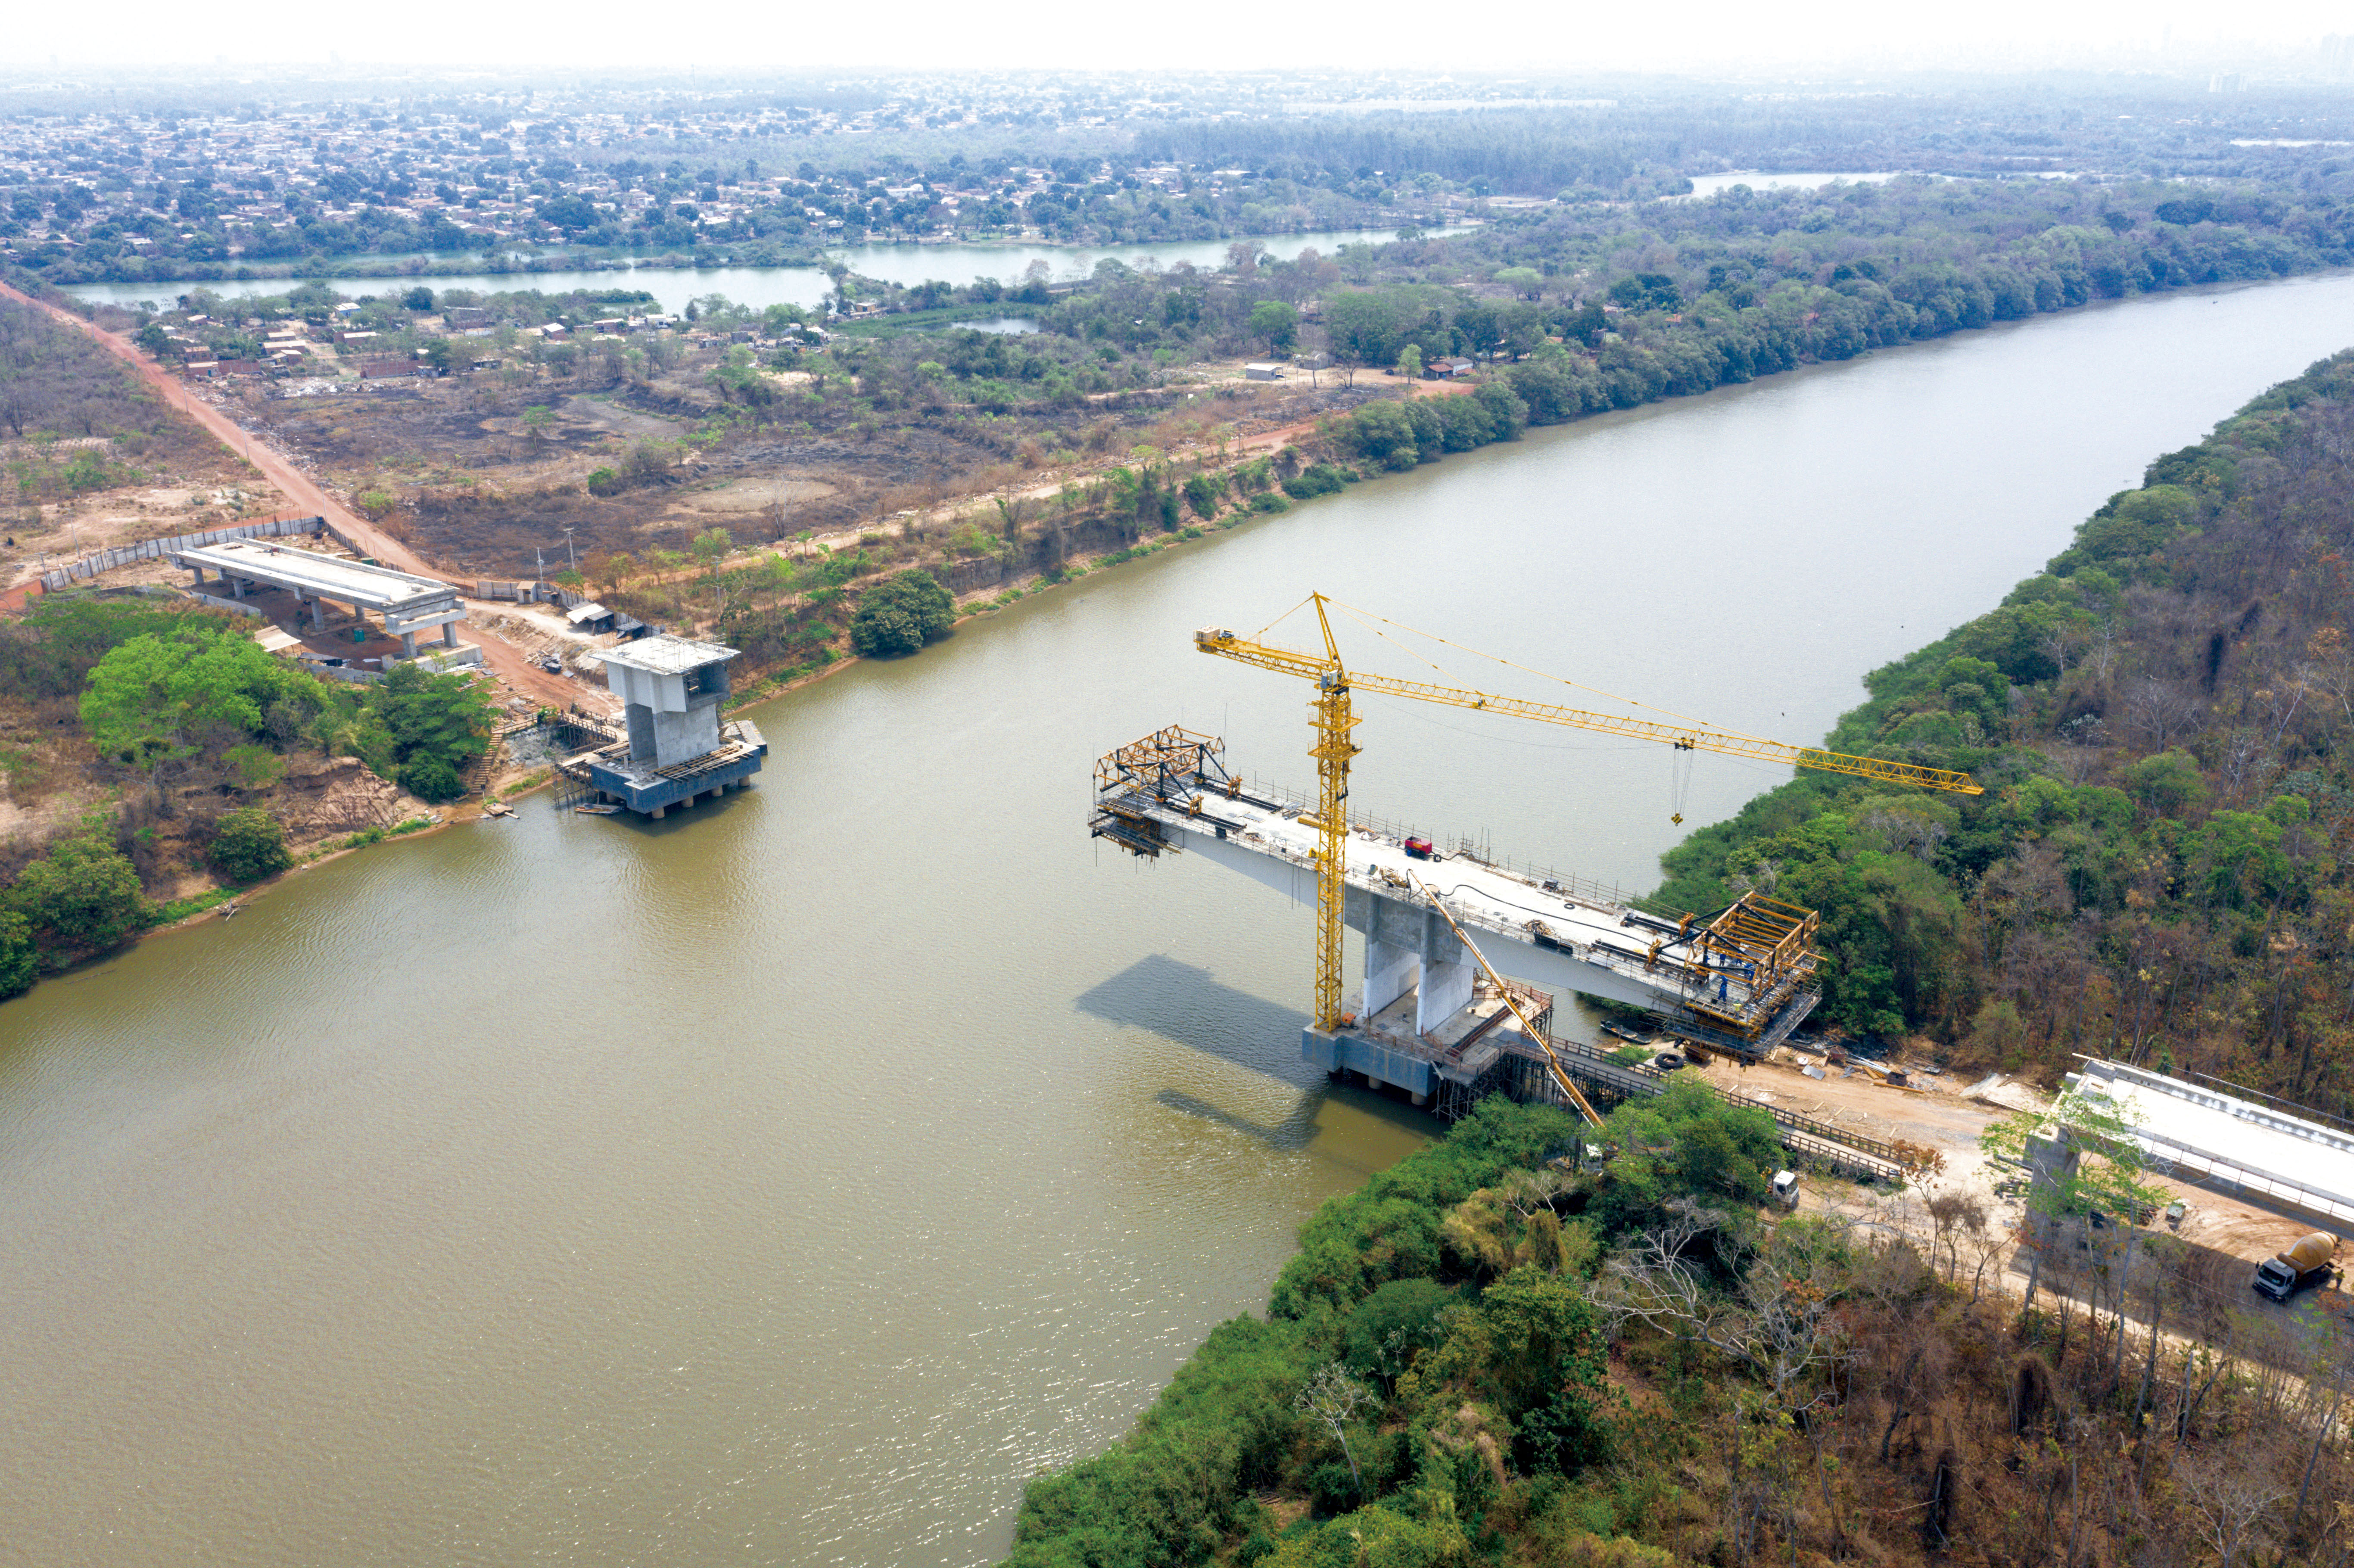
(787, 1182)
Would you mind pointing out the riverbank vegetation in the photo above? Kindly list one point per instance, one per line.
(151, 748)
(2162, 866)
(1490, 1353)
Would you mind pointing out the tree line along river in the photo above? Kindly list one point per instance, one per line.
(788, 1180)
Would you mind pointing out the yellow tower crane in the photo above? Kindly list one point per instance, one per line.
(1333, 748)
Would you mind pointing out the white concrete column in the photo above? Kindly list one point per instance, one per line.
(1446, 988)
(408, 645)
(318, 614)
(1389, 970)
(449, 634)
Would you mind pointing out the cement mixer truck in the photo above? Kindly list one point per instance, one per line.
(2307, 1262)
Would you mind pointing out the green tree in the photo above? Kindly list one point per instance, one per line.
(1367, 326)
(1204, 493)
(1687, 1142)
(431, 778)
(19, 958)
(431, 726)
(2066, 1187)
(1526, 282)
(84, 893)
(159, 697)
(248, 846)
(1396, 1323)
(901, 614)
(1276, 324)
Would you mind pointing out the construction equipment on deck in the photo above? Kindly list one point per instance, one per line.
(1754, 930)
(1553, 1062)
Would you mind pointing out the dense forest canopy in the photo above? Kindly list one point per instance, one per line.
(1498, 1352)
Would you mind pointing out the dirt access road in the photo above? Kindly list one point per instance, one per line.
(505, 660)
(2225, 1235)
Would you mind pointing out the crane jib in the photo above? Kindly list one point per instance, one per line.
(1329, 674)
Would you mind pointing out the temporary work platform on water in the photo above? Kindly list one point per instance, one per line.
(672, 747)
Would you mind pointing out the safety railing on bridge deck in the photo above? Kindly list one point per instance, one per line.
(2197, 1164)
(1582, 887)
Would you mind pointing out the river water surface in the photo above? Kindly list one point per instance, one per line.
(786, 1182)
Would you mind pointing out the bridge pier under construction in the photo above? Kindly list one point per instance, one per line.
(1427, 1019)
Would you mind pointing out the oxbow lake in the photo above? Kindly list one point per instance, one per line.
(803, 286)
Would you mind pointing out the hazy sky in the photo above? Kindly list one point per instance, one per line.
(1501, 35)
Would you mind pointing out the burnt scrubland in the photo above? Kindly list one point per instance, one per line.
(76, 423)
(893, 439)
(1486, 1356)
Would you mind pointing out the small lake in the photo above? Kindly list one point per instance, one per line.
(672, 287)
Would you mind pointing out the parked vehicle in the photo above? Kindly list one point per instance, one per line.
(2307, 1262)
(1786, 1189)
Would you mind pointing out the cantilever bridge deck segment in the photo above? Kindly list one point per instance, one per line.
(407, 603)
(1424, 1020)
(1740, 982)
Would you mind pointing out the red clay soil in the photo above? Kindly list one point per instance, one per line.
(504, 659)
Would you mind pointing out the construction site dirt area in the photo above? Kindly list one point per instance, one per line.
(2223, 1237)
(480, 472)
